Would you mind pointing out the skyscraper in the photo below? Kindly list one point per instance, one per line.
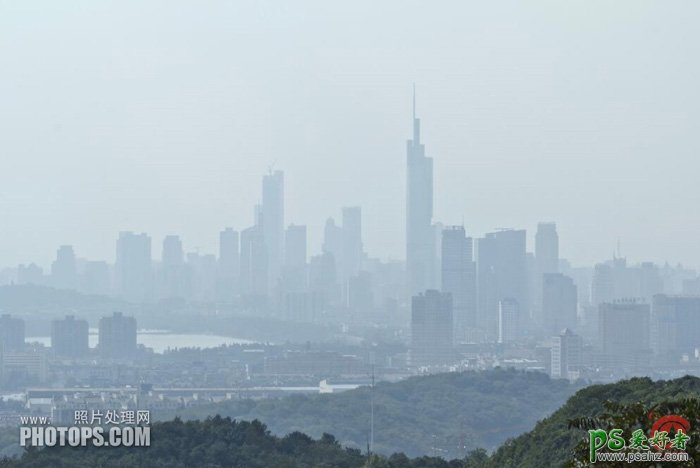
(459, 277)
(133, 266)
(298, 302)
(352, 241)
(254, 263)
(547, 248)
(173, 254)
(333, 241)
(69, 337)
(420, 253)
(295, 246)
(546, 261)
(11, 333)
(602, 286)
(623, 328)
(117, 336)
(322, 280)
(202, 269)
(431, 329)
(63, 270)
(172, 274)
(509, 321)
(229, 264)
(273, 223)
(559, 303)
(295, 271)
(675, 326)
(501, 274)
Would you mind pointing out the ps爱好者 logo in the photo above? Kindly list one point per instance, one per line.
(670, 424)
(666, 441)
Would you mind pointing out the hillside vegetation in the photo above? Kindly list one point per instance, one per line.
(551, 443)
(444, 414)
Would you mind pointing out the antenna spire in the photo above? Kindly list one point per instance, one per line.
(414, 101)
(371, 423)
(416, 121)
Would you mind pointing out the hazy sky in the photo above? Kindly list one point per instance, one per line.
(162, 116)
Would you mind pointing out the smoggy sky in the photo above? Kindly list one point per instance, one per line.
(162, 116)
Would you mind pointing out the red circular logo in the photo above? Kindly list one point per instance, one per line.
(670, 424)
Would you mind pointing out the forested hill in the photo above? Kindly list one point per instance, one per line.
(552, 442)
(221, 442)
(419, 416)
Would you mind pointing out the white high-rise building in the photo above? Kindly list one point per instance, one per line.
(566, 355)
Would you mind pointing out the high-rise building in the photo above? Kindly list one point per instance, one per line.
(273, 223)
(435, 271)
(624, 333)
(352, 241)
(431, 329)
(295, 268)
(333, 241)
(559, 303)
(675, 325)
(173, 254)
(322, 280)
(203, 270)
(295, 246)
(509, 321)
(173, 275)
(566, 355)
(546, 261)
(133, 274)
(11, 333)
(254, 263)
(64, 274)
(420, 250)
(501, 274)
(616, 279)
(69, 337)
(117, 336)
(229, 265)
(458, 277)
(650, 281)
(547, 248)
(602, 286)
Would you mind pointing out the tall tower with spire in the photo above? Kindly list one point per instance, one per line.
(420, 246)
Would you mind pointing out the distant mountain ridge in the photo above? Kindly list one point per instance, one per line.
(30, 295)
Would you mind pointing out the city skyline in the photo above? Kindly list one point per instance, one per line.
(257, 210)
(367, 233)
(169, 133)
(273, 190)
